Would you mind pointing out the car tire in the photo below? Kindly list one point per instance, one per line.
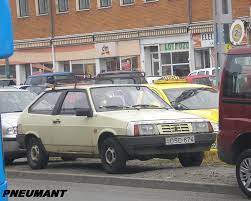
(68, 158)
(8, 161)
(113, 156)
(191, 159)
(37, 156)
(243, 173)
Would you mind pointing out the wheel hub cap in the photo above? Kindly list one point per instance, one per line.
(110, 155)
(34, 152)
(245, 173)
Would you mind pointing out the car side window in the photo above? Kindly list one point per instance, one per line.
(73, 101)
(46, 103)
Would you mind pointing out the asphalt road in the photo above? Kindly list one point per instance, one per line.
(94, 192)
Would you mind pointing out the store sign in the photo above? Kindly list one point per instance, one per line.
(207, 40)
(176, 46)
(237, 32)
(106, 49)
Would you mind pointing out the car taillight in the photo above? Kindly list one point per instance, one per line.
(19, 129)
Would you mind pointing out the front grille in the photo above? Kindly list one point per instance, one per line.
(181, 128)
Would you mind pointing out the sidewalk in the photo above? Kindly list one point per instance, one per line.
(164, 174)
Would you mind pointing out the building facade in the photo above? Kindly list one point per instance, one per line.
(159, 37)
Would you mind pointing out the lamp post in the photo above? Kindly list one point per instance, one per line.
(52, 34)
(222, 12)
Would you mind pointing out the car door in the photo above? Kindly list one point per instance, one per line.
(73, 133)
(41, 115)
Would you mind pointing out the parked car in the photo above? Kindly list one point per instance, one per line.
(114, 122)
(48, 78)
(194, 99)
(7, 82)
(199, 79)
(204, 71)
(12, 103)
(234, 139)
(121, 77)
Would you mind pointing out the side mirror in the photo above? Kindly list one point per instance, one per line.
(84, 113)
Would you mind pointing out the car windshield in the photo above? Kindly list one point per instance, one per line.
(195, 98)
(126, 97)
(15, 101)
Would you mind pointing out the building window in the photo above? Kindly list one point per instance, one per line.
(63, 6)
(105, 3)
(42, 6)
(22, 8)
(83, 4)
(127, 2)
(149, 1)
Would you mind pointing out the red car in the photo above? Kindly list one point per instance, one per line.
(208, 80)
(234, 138)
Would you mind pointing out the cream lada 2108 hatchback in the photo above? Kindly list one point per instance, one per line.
(114, 122)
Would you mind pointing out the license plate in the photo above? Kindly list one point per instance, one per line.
(180, 140)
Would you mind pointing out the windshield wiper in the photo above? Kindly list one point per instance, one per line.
(114, 107)
(148, 106)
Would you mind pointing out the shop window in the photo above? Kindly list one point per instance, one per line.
(22, 8)
(165, 58)
(129, 63)
(202, 59)
(78, 68)
(90, 69)
(66, 66)
(180, 57)
(154, 49)
(181, 70)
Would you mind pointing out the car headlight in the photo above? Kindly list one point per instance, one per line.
(11, 131)
(215, 126)
(145, 129)
(202, 127)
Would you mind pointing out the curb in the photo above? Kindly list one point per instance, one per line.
(126, 181)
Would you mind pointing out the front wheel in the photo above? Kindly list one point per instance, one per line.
(191, 159)
(37, 156)
(113, 157)
(243, 172)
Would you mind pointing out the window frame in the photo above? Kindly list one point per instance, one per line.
(150, 1)
(82, 9)
(129, 4)
(38, 8)
(103, 7)
(62, 12)
(41, 96)
(18, 7)
(62, 99)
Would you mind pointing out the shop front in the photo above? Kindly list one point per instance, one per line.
(166, 56)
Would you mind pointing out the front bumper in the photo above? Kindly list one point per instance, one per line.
(154, 146)
(12, 149)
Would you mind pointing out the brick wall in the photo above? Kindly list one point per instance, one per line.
(138, 15)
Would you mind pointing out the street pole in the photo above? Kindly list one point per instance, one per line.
(52, 35)
(222, 11)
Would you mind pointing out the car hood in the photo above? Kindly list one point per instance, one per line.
(148, 115)
(10, 119)
(211, 114)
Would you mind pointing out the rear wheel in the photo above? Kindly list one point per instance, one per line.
(191, 159)
(243, 172)
(113, 156)
(69, 158)
(37, 156)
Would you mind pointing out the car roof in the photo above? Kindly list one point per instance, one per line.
(177, 85)
(242, 50)
(112, 73)
(11, 89)
(86, 86)
(51, 74)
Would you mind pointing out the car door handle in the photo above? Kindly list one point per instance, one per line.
(57, 121)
